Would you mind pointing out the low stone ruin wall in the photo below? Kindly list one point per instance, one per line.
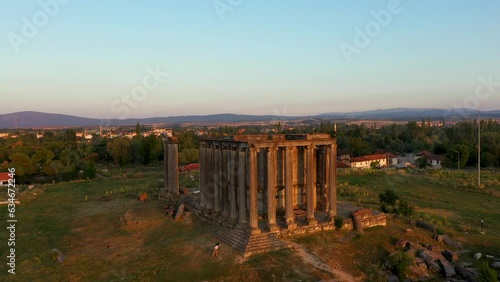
(374, 220)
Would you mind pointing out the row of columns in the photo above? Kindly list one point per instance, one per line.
(223, 181)
(227, 172)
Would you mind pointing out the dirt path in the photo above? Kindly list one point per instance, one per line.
(340, 275)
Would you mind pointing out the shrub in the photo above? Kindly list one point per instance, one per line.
(388, 197)
(487, 274)
(405, 208)
(401, 262)
(375, 273)
(339, 222)
(391, 203)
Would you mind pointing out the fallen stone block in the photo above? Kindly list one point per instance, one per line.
(448, 241)
(426, 226)
(450, 255)
(495, 265)
(402, 243)
(180, 212)
(430, 260)
(466, 274)
(448, 269)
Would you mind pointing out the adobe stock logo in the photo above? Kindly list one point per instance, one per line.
(223, 6)
(139, 93)
(40, 19)
(485, 87)
(372, 29)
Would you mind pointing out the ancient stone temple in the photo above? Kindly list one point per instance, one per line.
(275, 178)
(170, 163)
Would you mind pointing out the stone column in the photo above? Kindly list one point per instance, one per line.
(175, 168)
(242, 207)
(209, 181)
(289, 218)
(202, 176)
(332, 182)
(166, 185)
(314, 177)
(224, 181)
(326, 184)
(216, 178)
(252, 174)
(233, 213)
(310, 187)
(271, 188)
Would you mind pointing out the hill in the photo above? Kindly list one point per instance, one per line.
(31, 119)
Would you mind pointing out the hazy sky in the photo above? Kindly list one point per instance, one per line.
(94, 58)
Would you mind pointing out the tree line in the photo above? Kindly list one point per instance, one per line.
(60, 155)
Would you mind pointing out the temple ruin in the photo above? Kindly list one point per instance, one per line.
(247, 177)
(264, 187)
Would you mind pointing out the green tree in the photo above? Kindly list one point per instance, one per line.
(89, 169)
(138, 131)
(119, 149)
(23, 164)
(53, 168)
(43, 156)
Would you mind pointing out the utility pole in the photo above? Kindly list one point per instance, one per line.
(479, 150)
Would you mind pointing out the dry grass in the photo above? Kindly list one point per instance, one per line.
(113, 237)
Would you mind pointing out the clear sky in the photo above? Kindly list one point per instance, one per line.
(87, 57)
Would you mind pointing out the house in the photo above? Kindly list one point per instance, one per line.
(392, 159)
(433, 161)
(189, 167)
(406, 161)
(379, 160)
(4, 178)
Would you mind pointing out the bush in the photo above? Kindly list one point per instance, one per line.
(375, 273)
(405, 208)
(391, 203)
(388, 197)
(339, 222)
(90, 170)
(401, 262)
(487, 274)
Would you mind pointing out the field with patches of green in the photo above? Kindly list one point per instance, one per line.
(105, 234)
(450, 200)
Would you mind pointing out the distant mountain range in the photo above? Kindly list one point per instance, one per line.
(38, 119)
(413, 114)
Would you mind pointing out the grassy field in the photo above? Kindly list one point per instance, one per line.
(105, 234)
(449, 200)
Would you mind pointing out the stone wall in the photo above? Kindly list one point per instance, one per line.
(374, 220)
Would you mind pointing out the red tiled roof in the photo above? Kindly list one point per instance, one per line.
(431, 156)
(424, 153)
(4, 176)
(190, 167)
(342, 165)
(391, 155)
